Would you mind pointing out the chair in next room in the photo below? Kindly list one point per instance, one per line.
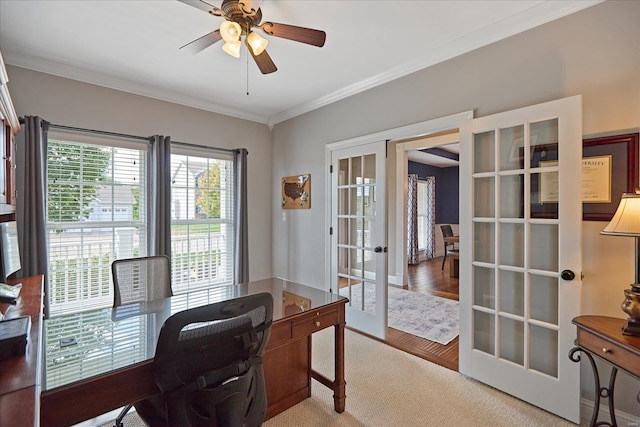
(449, 240)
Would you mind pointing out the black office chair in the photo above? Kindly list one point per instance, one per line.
(448, 246)
(138, 280)
(208, 366)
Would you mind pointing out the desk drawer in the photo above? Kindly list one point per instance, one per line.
(280, 333)
(313, 322)
(609, 351)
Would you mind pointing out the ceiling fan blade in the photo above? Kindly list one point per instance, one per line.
(263, 61)
(203, 42)
(248, 5)
(298, 34)
(199, 4)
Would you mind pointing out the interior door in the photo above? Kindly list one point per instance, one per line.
(520, 252)
(359, 234)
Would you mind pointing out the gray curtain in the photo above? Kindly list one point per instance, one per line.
(241, 241)
(160, 196)
(413, 257)
(31, 201)
(430, 211)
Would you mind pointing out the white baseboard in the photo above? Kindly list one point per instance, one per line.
(623, 418)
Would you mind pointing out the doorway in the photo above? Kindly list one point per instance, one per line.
(434, 156)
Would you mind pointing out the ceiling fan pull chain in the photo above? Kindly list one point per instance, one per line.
(247, 74)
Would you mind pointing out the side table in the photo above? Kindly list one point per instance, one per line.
(602, 336)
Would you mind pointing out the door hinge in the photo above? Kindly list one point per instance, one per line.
(330, 231)
(330, 168)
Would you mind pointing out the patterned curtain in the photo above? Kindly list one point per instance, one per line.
(429, 212)
(413, 257)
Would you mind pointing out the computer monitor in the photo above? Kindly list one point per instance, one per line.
(9, 250)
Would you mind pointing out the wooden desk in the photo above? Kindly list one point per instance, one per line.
(602, 337)
(20, 376)
(117, 367)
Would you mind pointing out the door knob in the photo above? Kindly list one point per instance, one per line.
(377, 249)
(567, 275)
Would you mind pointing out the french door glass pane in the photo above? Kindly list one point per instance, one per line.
(484, 287)
(484, 242)
(512, 292)
(512, 245)
(543, 350)
(512, 148)
(544, 247)
(484, 152)
(544, 298)
(512, 340)
(484, 197)
(484, 332)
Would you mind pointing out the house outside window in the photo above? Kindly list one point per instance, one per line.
(96, 213)
(201, 219)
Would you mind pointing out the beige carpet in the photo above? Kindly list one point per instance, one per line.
(387, 387)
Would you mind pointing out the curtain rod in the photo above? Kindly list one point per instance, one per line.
(143, 138)
(101, 132)
(205, 147)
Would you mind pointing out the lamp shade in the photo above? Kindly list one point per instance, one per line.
(230, 31)
(626, 220)
(232, 48)
(258, 44)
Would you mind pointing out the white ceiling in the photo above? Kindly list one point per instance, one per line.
(134, 46)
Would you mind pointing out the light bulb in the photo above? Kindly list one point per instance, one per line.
(257, 43)
(230, 31)
(232, 48)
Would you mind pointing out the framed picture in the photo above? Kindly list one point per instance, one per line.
(609, 168)
(296, 192)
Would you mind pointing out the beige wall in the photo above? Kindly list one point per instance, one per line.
(73, 103)
(595, 53)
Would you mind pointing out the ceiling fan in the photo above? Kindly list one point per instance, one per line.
(241, 18)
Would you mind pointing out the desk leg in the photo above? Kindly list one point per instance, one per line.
(599, 391)
(339, 389)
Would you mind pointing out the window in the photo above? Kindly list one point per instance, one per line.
(87, 178)
(426, 216)
(201, 219)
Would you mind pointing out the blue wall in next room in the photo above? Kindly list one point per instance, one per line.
(447, 209)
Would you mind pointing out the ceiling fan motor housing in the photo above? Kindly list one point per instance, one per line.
(234, 12)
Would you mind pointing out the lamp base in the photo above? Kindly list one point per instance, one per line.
(631, 328)
(631, 306)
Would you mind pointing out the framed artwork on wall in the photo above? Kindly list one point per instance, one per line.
(296, 192)
(609, 168)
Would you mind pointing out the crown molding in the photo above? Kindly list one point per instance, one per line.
(530, 18)
(122, 84)
(534, 16)
(7, 111)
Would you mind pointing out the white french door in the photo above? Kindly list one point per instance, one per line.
(358, 240)
(520, 252)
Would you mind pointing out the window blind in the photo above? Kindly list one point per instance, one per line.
(96, 213)
(201, 219)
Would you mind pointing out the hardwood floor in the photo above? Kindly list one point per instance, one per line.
(428, 277)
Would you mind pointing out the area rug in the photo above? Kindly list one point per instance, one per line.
(427, 316)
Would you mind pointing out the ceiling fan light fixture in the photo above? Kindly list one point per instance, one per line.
(232, 48)
(230, 31)
(258, 44)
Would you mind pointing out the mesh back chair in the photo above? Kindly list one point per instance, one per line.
(138, 280)
(208, 365)
(141, 279)
(447, 232)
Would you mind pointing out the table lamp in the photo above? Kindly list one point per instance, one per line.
(626, 222)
